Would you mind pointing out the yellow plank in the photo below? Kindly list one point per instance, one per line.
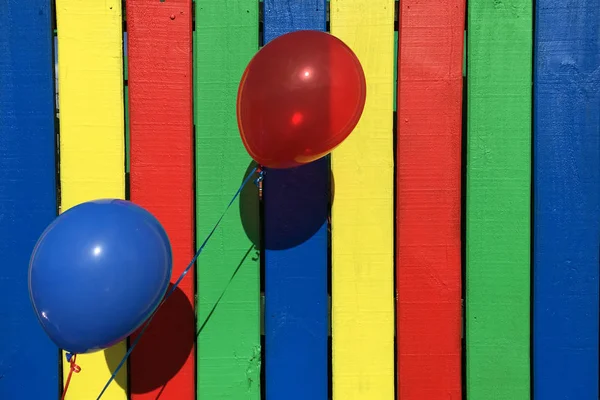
(92, 144)
(362, 214)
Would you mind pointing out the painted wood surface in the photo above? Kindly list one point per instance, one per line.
(428, 187)
(92, 159)
(28, 359)
(296, 208)
(566, 199)
(159, 37)
(126, 102)
(228, 323)
(566, 214)
(363, 215)
(498, 199)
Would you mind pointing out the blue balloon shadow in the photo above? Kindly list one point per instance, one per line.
(163, 349)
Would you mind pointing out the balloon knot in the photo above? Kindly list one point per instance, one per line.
(71, 358)
(261, 176)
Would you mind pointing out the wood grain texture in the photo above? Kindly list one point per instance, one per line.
(161, 180)
(428, 201)
(28, 359)
(126, 102)
(566, 199)
(363, 215)
(92, 141)
(498, 199)
(228, 323)
(296, 207)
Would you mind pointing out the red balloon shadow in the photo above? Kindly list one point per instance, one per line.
(164, 348)
(299, 194)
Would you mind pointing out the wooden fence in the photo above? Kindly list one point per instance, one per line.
(448, 249)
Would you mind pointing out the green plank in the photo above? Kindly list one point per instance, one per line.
(498, 199)
(228, 309)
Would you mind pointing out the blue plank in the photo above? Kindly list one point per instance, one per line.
(295, 243)
(28, 359)
(566, 199)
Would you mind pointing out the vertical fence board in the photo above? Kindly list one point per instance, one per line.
(126, 116)
(363, 215)
(566, 199)
(161, 180)
(295, 217)
(126, 102)
(498, 199)
(428, 199)
(228, 325)
(27, 192)
(92, 142)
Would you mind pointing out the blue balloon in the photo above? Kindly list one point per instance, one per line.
(97, 273)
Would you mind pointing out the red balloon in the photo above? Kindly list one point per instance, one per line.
(300, 97)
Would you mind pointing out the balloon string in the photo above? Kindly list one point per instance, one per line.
(257, 181)
(74, 368)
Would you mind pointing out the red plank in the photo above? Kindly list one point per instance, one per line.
(428, 203)
(161, 129)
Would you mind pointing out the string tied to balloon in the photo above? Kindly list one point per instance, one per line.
(135, 342)
(73, 368)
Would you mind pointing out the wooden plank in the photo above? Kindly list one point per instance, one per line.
(161, 180)
(127, 136)
(428, 201)
(27, 192)
(92, 158)
(126, 103)
(396, 50)
(228, 323)
(363, 215)
(498, 199)
(567, 199)
(295, 230)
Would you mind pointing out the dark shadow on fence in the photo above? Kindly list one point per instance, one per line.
(298, 215)
(113, 357)
(164, 348)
